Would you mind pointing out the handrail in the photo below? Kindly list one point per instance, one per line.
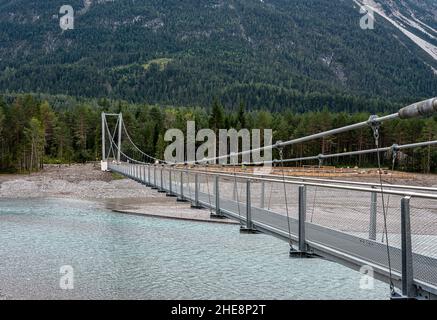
(329, 185)
(376, 184)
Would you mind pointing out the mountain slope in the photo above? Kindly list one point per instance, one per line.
(271, 53)
(417, 20)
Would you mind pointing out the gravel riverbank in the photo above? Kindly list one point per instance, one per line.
(88, 182)
(78, 181)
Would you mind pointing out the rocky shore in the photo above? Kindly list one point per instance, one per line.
(88, 182)
(79, 181)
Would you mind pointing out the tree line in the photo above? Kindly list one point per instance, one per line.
(34, 131)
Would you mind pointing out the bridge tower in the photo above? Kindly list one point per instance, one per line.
(105, 130)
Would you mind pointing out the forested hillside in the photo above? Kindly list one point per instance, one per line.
(273, 54)
(33, 132)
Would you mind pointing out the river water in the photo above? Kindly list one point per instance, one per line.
(117, 256)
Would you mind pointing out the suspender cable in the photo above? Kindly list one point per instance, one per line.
(236, 189)
(138, 149)
(207, 185)
(375, 126)
(285, 195)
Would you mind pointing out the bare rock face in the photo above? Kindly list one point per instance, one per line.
(416, 19)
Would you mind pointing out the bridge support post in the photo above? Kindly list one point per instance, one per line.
(218, 213)
(249, 225)
(408, 289)
(154, 185)
(263, 192)
(148, 175)
(120, 125)
(181, 197)
(161, 186)
(170, 184)
(302, 251)
(196, 203)
(373, 211)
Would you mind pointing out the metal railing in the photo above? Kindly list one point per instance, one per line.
(338, 220)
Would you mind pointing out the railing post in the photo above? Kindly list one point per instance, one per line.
(155, 185)
(248, 206)
(408, 289)
(196, 204)
(170, 184)
(181, 197)
(302, 218)
(149, 183)
(373, 212)
(263, 190)
(302, 251)
(249, 225)
(218, 213)
(161, 187)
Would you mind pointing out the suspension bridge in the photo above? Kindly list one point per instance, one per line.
(384, 228)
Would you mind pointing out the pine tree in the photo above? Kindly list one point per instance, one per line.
(217, 117)
(160, 147)
(35, 139)
(241, 117)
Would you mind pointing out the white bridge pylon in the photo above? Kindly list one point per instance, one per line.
(105, 131)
